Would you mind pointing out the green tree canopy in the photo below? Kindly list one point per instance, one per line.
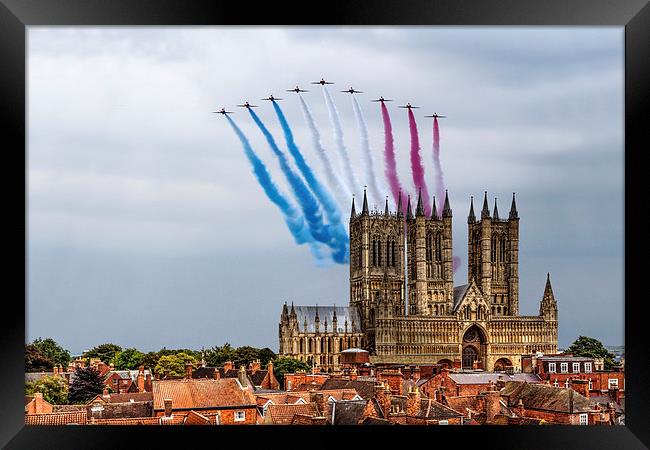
(283, 364)
(173, 365)
(216, 356)
(128, 359)
(53, 388)
(35, 361)
(593, 348)
(86, 384)
(53, 351)
(105, 352)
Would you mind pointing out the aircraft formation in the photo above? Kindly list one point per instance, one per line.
(323, 82)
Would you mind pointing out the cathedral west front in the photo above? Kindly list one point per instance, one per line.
(397, 256)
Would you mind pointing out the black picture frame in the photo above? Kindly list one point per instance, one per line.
(16, 15)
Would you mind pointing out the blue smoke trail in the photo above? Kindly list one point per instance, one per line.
(338, 137)
(308, 203)
(367, 152)
(336, 228)
(292, 216)
(333, 178)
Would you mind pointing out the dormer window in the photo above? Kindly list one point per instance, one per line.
(564, 367)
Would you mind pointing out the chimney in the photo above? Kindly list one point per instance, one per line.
(228, 365)
(141, 379)
(147, 382)
(382, 393)
(269, 367)
(492, 404)
(157, 377)
(105, 392)
(353, 374)
(416, 373)
(521, 410)
(55, 370)
(188, 370)
(217, 374)
(256, 365)
(241, 376)
(613, 394)
(413, 402)
(112, 366)
(319, 399)
(168, 407)
(580, 386)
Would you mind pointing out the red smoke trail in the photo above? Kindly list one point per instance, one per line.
(389, 156)
(440, 183)
(416, 164)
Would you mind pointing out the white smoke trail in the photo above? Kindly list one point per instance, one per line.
(353, 184)
(375, 191)
(343, 194)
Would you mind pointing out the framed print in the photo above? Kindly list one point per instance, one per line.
(373, 214)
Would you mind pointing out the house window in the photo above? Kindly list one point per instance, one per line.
(443, 422)
(612, 383)
(588, 367)
(591, 384)
(555, 383)
(576, 367)
(564, 367)
(584, 420)
(240, 416)
(551, 367)
(566, 383)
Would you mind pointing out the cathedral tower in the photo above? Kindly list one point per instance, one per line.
(430, 268)
(493, 257)
(376, 263)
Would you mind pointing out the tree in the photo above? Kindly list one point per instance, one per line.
(593, 348)
(283, 364)
(86, 384)
(216, 356)
(53, 388)
(53, 351)
(173, 365)
(265, 355)
(35, 361)
(105, 352)
(128, 359)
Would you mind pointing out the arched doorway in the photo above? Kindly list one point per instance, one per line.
(474, 348)
(501, 364)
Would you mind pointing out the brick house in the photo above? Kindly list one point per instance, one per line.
(231, 398)
(469, 383)
(302, 380)
(552, 404)
(559, 370)
(36, 404)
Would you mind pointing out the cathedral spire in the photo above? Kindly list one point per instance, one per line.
(364, 211)
(293, 311)
(386, 207)
(409, 213)
(419, 210)
(434, 209)
(353, 213)
(471, 218)
(513, 208)
(485, 213)
(446, 210)
(399, 203)
(548, 290)
(495, 216)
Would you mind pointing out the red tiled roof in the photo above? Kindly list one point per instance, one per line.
(283, 414)
(175, 419)
(56, 418)
(194, 418)
(202, 393)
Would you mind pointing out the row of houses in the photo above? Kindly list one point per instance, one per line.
(357, 395)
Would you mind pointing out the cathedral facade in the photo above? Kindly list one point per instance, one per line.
(395, 256)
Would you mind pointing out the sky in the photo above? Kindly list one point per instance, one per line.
(147, 228)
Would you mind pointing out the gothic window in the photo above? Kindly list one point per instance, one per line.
(429, 246)
(494, 248)
(392, 251)
(374, 251)
(502, 249)
(379, 252)
(439, 247)
(469, 356)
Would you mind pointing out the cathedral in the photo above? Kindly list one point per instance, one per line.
(395, 257)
